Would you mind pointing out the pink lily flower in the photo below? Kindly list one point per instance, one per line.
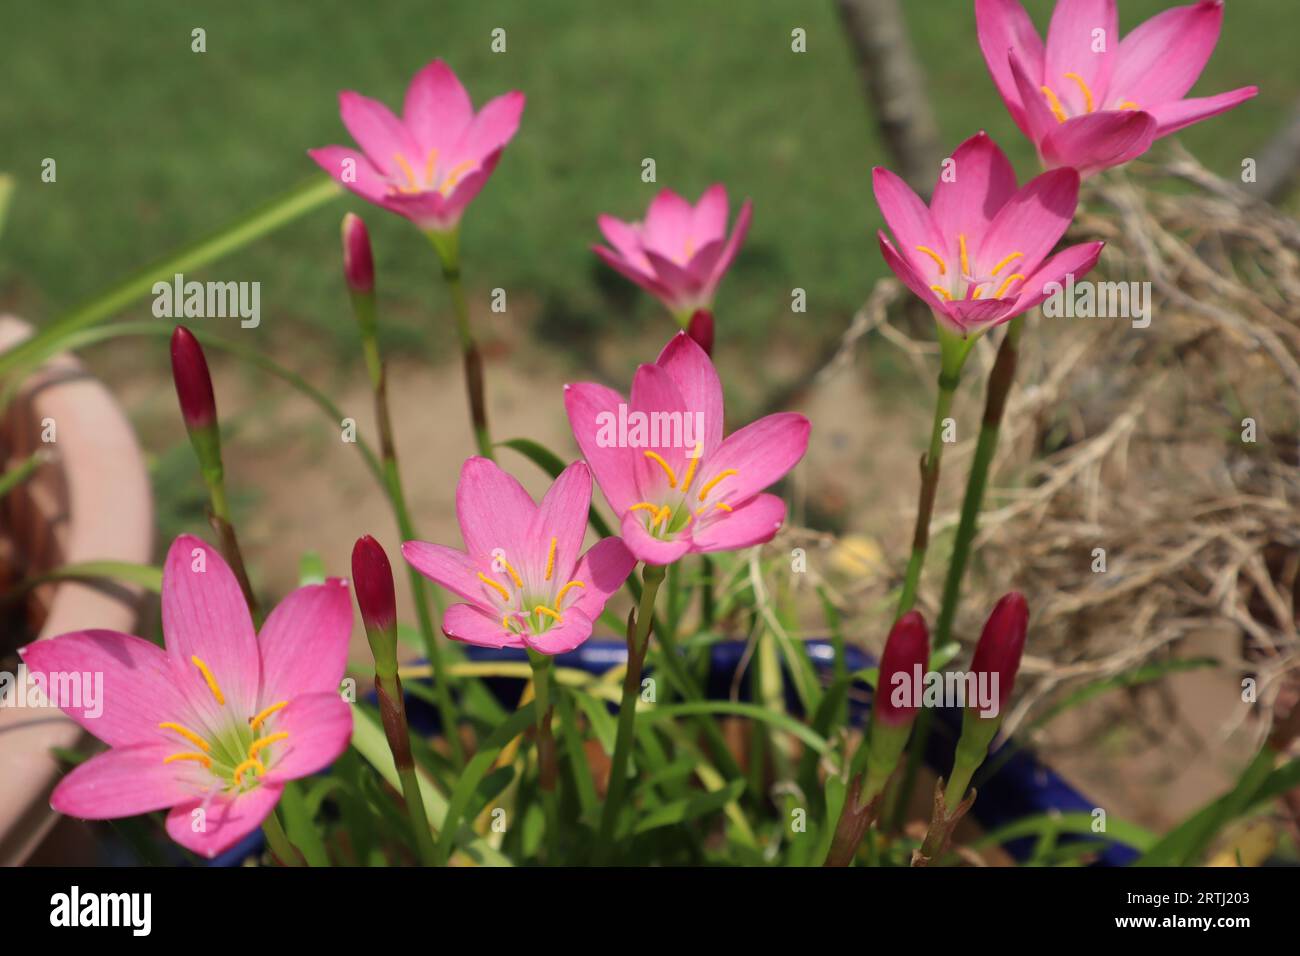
(215, 724)
(1090, 101)
(429, 164)
(681, 252)
(520, 572)
(675, 483)
(978, 255)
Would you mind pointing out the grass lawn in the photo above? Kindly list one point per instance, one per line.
(156, 144)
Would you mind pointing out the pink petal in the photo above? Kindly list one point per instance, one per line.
(625, 239)
(977, 315)
(1070, 49)
(702, 266)
(761, 453)
(138, 690)
(909, 219)
(903, 269)
(984, 182)
(223, 822)
(630, 269)
(738, 233)
(1039, 118)
(378, 132)
(304, 642)
(437, 109)
(563, 637)
(645, 547)
(1099, 140)
(602, 570)
(656, 398)
(1004, 26)
(1032, 222)
(683, 290)
(667, 228)
(474, 626)
(463, 193)
(452, 569)
(709, 220)
(1076, 260)
(494, 511)
(204, 615)
(562, 515)
(493, 127)
(697, 381)
(1171, 117)
(319, 728)
(756, 522)
(362, 177)
(593, 412)
(125, 782)
(1163, 58)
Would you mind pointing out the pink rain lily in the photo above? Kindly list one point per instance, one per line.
(1085, 98)
(681, 252)
(429, 164)
(675, 483)
(520, 571)
(215, 724)
(978, 255)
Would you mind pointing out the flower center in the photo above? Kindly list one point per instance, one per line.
(969, 285)
(1089, 101)
(411, 184)
(522, 608)
(663, 520)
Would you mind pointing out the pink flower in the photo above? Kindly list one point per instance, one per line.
(1001, 644)
(976, 255)
(681, 252)
(1086, 99)
(429, 164)
(520, 571)
(676, 485)
(214, 725)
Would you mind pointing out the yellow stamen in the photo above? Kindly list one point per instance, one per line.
(505, 595)
(189, 735)
(938, 259)
(264, 715)
(505, 621)
(690, 469)
(430, 162)
(1005, 285)
(723, 506)
(543, 609)
(1011, 258)
(407, 171)
(672, 475)
(212, 683)
(559, 598)
(663, 514)
(513, 575)
(252, 763)
(965, 259)
(942, 291)
(197, 757)
(644, 506)
(453, 177)
(1054, 102)
(263, 742)
(550, 560)
(975, 290)
(704, 492)
(1129, 105)
(1083, 88)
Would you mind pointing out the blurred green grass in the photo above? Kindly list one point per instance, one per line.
(157, 145)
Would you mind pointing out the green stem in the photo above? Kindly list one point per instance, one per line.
(547, 765)
(448, 247)
(392, 710)
(638, 640)
(278, 840)
(220, 520)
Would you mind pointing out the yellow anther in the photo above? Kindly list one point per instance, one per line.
(690, 469)
(196, 757)
(265, 715)
(690, 249)
(543, 609)
(965, 259)
(1007, 284)
(559, 598)
(947, 296)
(663, 514)
(723, 506)
(550, 560)
(704, 492)
(188, 734)
(1129, 105)
(672, 475)
(975, 290)
(263, 742)
(430, 163)
(1011, 258)
(207, 676)
(407, 171)
(454, 176)
(1083, 88)
(1054, 102)
(938, 259)
(252, 763)
(644, 506)
(505, 622)
(505, 595)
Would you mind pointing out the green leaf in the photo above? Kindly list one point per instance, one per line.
(311, 569)
(681, 811)
(778, 720)
(146, 576)
(20, 472)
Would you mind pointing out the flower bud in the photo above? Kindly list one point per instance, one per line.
(907, 650)
(193, 382)
(372, 577)
(358, 262)
(701, 329)
(1001, 644)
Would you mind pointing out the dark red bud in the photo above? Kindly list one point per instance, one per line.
(907, 651)
(701, 330)
(1002, 642)
(358, 263)
(193, 382)
(372, 577)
